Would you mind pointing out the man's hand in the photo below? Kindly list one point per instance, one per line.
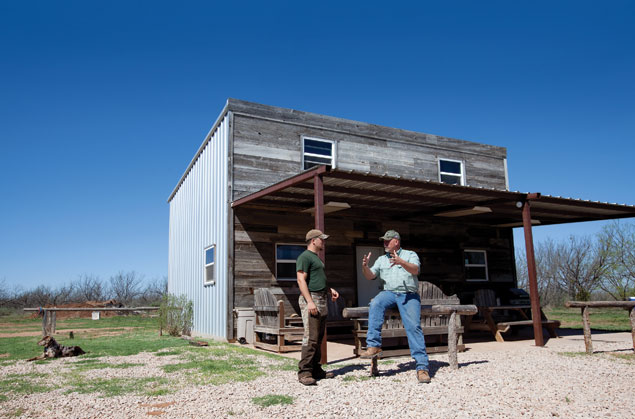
(365, 259)
(334, 294)
(312, 308)
(395, 259)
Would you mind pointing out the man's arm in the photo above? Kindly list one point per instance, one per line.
(304, 290)
(410, 267)
(368, 274)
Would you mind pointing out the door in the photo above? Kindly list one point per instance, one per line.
(366, 289)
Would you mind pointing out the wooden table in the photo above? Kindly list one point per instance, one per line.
(586, 325)
(497, 328)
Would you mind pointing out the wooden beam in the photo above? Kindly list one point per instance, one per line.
(302, 177)
(531, 269)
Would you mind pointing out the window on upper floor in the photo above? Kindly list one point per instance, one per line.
(210, 263)
(451, 172)
(316, 152)
(286, 255)
(475, 265)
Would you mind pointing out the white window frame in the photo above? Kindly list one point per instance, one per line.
(333, 151)
(206, 265)
(460, 175)
(476, 265)
(285, 260)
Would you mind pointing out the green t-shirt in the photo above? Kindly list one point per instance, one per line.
(310, 263)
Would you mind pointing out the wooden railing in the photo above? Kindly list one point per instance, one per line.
(586, 325)
(49, 317)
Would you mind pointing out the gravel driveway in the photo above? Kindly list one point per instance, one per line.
(514, 379)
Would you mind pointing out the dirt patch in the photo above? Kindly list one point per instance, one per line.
(96, 332)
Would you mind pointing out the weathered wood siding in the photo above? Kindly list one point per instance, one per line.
(268, 149)
(440, 246)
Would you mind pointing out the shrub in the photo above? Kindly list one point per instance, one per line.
(176, 315)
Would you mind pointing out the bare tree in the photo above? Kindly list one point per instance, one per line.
(38, 297)
(89, 287)
(61, 295)
(582, 266)
(125, 286)
(618, 241)
(547, 266)
(155, 290)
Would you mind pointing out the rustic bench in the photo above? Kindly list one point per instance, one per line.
(435, 327)
(586, 325)
(453, 329)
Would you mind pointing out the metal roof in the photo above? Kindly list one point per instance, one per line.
(405, 199)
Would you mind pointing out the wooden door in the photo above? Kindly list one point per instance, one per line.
(366, 289)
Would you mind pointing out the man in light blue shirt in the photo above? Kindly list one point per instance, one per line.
(398, 270)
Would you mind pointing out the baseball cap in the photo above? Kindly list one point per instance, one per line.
(390, 234)
(314, 234)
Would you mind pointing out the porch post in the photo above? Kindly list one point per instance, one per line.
(318, 197)
(531, 270)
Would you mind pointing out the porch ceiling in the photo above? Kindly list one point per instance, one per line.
(405, 199)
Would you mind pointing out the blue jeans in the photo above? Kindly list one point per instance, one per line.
(409, 305)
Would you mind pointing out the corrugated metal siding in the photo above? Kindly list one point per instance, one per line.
(198, 219)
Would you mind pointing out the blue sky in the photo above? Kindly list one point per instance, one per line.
(103, 104)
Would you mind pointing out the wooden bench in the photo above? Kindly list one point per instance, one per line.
(493, 319)
(271, 322)
(586, 324)
(435, 326)
(451, 311)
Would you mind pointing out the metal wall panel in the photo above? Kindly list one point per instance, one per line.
(198, 219)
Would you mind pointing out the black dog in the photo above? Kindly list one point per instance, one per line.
(52, 349)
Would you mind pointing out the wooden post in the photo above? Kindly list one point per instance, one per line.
(631, 314)
(44, 319)
(318, 197)
(531, 270)
(454, 363)
(586, 326)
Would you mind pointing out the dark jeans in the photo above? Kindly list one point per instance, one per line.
(309, 363)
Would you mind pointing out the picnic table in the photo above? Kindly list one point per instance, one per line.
(586, 324)
(498, 327)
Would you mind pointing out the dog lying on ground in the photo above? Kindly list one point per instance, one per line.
(52, 349)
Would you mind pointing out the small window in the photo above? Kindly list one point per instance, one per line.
(475, 265)
(286, 255)
(451, 172)
(210, 259)
(317, 152)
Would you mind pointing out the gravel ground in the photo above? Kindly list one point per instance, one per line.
(511, 381)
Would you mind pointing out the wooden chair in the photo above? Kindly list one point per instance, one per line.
(272, 331)
(435, 327)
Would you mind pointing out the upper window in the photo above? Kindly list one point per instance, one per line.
(451, 171)
(475, 265)
(316, 152)
(210, 259)
(286, 255)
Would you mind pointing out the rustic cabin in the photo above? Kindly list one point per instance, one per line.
(266, 175)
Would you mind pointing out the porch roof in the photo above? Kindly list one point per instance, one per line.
(405, 199)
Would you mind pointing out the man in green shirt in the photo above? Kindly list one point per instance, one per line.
(314, 306)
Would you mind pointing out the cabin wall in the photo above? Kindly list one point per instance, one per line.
(439, 244)
(267, 151)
